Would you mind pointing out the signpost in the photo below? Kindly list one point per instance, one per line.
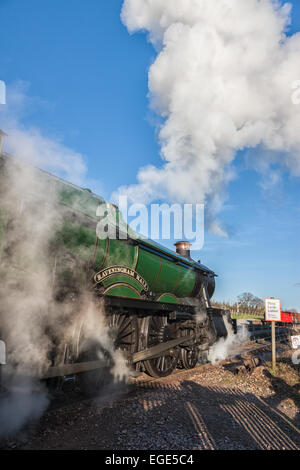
(273, 314)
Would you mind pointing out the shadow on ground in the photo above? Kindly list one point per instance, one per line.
(168, 415)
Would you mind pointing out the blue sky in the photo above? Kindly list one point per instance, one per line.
(89, 79)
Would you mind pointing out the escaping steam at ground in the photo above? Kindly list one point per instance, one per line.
(222, 81)
(225, 347)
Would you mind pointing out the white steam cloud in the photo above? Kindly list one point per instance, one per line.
(222, 81)
(226, 347)
(38, 315)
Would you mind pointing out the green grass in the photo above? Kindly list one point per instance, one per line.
(246, 316)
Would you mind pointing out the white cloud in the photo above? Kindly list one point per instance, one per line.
(222, 80)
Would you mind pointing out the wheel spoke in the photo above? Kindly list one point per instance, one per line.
(124, 327)
(159, 332)
(126, 334)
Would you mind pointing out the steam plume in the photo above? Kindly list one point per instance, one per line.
(33, 321)
(222, 81)
(225, 347)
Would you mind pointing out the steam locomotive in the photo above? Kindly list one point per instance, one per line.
(157, 302)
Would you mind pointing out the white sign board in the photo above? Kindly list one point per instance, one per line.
(272, 310)
(295, 342)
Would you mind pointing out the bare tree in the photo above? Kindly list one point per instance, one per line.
(246, 303)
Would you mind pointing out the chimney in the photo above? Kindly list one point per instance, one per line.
(183, 249)
(2, 135)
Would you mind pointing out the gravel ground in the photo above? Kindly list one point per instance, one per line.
(209, 407)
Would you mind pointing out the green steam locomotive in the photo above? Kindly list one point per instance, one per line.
(156, 302)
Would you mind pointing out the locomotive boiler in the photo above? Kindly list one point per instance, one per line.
(157, 302)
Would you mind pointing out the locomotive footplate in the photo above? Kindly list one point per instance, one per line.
(143, 306)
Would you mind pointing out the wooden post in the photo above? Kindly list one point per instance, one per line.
(273, 346)
(273, 314)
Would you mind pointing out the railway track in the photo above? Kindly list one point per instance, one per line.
(137, 381)
(69, 396)
(242, 353)
(134, 385)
